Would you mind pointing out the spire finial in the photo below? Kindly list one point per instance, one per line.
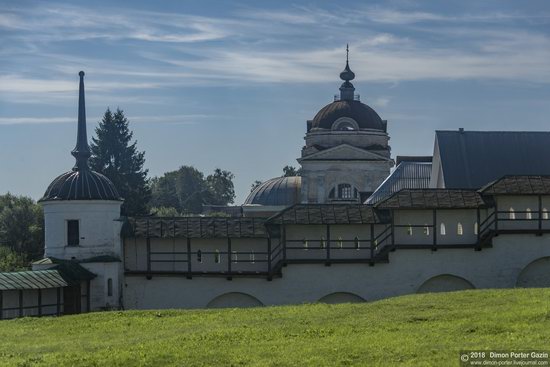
(347, 52)
(81, 151)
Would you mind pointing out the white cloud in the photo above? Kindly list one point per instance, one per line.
(173, 119)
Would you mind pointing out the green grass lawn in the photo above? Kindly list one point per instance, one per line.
(416, 330)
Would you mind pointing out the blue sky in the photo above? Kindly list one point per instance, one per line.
(230, 84)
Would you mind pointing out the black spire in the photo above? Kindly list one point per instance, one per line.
(347, 89)
(81, 151)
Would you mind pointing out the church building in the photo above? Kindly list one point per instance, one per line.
(356, 225)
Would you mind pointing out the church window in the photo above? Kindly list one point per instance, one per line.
(442, 230)
(357, 243)
(528, 214)
(476, 228)
(252, 257)
(199, 256)
(426, 230)
(217, 258)
(109, 287)
(345, 191)
(73, 233)
(459, 229)
(512, 213)
(544, 213)
(410, 230)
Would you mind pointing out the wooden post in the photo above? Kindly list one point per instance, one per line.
(58, 310)
(39, 302)
(189, 273)
(1, 305)
(88, 301)
(496, 217)
(392, 230)
(229, 277)
(148, 241)
(434, 228)
(478, 216)
(268, 257)
(372, 244)
(20, 303)
(284, 245)
(540, 214)
(327, 262)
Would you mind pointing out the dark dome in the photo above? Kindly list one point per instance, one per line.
(277, 191)
(81, 185)
(366, 117)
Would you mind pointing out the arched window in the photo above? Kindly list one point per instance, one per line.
(252, 257)
(544, 213)
(305, 243)
(426, 229)
(346, 126)
(199, 256)
(459, 229)
(512, 213)
(476, 228)
(357, 243)
(340, 242)
(217, 258)
(323, 242)
(442, 230)
(410, 230)
(528, 214)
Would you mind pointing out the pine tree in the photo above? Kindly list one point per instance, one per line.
(115, 156)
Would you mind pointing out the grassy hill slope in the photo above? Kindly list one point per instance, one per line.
(415, 330)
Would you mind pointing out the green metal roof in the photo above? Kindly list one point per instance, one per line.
(38, 279)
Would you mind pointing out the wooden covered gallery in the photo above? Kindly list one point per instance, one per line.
(60, 288)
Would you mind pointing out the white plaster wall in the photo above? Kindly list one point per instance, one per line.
(100, 300)
(407, 270)
(99, 228)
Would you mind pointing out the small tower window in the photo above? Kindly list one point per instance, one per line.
(528, 214)
(442, 229)
(459, 229)
(512, 213)
(109, 287)
(73, 233)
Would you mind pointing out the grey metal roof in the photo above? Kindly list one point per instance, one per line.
(365, 116)
(407, 175)
(39, 279)
(328, 214)
(433, 199)
(283, 191)
(471, 159)
(519, 185)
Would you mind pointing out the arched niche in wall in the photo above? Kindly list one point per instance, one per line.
(341, 297)
(345, 124)
(535, 275)
(234, 299)
(445, 283)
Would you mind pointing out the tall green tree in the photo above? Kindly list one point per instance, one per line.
(187, 190)
(22, 226)
(291, 171)
(116, 156)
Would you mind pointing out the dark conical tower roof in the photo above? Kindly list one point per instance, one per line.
(81, 183)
